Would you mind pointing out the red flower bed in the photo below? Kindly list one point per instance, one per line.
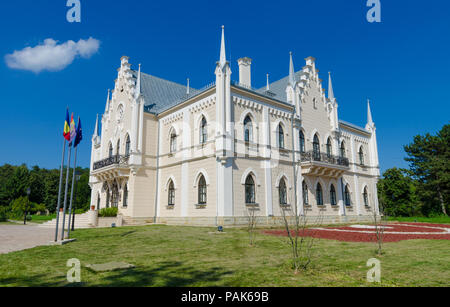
(349, 234)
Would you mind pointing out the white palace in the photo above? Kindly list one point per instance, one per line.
(168, 153)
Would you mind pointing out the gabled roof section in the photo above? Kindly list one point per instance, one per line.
(279, 87)
(160, 94)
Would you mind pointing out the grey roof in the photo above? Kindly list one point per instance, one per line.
(279, 87)
(160, 94)
(343, 122)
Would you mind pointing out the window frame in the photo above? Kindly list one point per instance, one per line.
(250, 188)
(202, 191)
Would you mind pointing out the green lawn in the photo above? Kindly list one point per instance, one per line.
(187, 256)
(435, 220)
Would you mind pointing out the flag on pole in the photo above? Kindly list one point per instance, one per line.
(73, 131)
(67, 126)
(79, 136)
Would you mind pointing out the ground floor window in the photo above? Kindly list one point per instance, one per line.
(305, 194)
(333, 198)
(171, 194)
(347, 198)
(202, 193)
(282, 191)
(366, 197)
(125, 196)
(319, 195)
(250, 190)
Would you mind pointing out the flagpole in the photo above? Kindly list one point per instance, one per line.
(71, 194)
(65, 195)
(60, 189)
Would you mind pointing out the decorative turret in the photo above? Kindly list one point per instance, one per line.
(370, 124)
(330, 89)
(292, 80)
(107, 102)
(96, 136)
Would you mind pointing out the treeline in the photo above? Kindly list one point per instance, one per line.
(44, 187)
(424, 188)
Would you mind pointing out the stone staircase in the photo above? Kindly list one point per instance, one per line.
(81, 222)
(128, 221)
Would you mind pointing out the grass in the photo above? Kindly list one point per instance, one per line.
(186, 256)
(38, 219)
(434, 220)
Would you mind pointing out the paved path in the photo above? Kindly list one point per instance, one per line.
(19, 237)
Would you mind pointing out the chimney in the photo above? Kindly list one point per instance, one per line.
(245, 72)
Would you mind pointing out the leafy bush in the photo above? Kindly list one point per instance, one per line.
(3, 214)
(108, 212)
(81, 211)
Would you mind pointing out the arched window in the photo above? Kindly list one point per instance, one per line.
(127, 146)
(250, 197)
(173, 142)
(248, 130)
(302, 142)
(125, 196)
(110, 151)
(171, 202)
(316, 148)
(366, 197)
(202, 194)
(342, 150)
(118, 148)
(203, 131)
(333, 198)
(280, 137)
(115, 195)
(329, 148)
(347, 199)
(305, 194)
(361, 156)
(282, 191)
(319, 195)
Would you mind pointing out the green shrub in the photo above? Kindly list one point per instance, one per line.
(81, 211)
(108, 212)
(3, 214)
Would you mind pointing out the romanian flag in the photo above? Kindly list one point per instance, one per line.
(67, 127)
(73, 130)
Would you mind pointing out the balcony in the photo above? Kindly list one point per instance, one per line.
(111, 168)
(321, 164)
(114, 160)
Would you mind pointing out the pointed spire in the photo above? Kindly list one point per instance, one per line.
(138, 83)
(291, 71)
(268, 83)
(107, 101)
(96, 133)
(188, 89)
(330, 87)
(223, 57)
(369, 114)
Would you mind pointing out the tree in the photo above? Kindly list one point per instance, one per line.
(397, 193)
(429, 158)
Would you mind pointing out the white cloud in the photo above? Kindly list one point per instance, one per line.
(50, 55)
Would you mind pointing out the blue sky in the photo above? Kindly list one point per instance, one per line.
(402, 64)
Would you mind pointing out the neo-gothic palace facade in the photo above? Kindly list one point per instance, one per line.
(168, 153)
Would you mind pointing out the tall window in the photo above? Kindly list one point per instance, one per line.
(302, 142)
(329, 148)
(361, 156)
(342, 150)
(347, 199)
(280, 136)
(110, 150)
(203, 131)
(305, 194)
(282, 191)
(316, 147)
(115, 195)
(127, 146)
(98, 201)
(171, 194)
(333, 198)
(118, 148)
(173, 142)
(366, 197)
(319, 195)
(125, 196)
(250, 190)
(248, 130)
(202, 191)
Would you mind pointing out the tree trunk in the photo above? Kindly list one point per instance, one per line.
(441, 200)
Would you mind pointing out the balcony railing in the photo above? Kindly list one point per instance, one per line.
(114, 160)
(312, 156)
